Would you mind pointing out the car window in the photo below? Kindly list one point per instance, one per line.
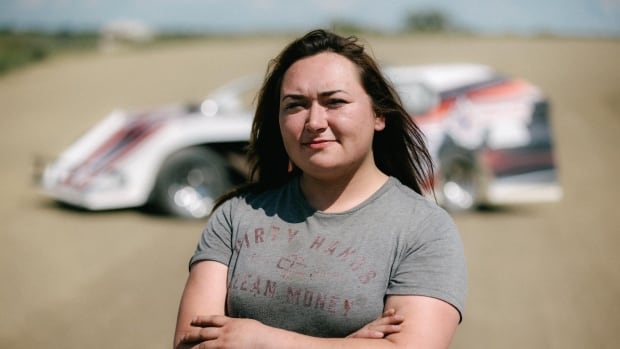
(237, 96)
(417, 98)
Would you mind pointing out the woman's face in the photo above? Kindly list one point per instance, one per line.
(326, 118)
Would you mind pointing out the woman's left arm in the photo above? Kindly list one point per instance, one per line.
(428, 323)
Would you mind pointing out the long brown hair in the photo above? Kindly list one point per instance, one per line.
(399, 149)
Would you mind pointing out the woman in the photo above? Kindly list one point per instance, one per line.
(332, 245)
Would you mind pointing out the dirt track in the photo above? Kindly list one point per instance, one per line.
(541, 276)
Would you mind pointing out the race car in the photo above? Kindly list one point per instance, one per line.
(489, 135)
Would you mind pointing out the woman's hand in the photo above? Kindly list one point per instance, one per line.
(219, 331)
(388, 323)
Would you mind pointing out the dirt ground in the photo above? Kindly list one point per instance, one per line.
(541, 276)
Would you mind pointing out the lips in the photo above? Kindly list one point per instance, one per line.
(318, 143)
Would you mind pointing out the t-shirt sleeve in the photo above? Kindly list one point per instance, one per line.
(215, 242)
(432, 263)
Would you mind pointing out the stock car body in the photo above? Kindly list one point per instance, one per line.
(489, 135)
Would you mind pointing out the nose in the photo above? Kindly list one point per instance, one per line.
(317, 118)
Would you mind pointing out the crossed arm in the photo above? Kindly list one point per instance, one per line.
(409, 322)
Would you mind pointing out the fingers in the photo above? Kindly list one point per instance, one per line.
(366, 332)
(389, 312)
(209, 321)
(200, 334)
(389, 318)
(388, 323)
(384, 330)
(372, 331)
(204, 328)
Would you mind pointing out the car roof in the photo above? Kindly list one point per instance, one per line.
(441, 77)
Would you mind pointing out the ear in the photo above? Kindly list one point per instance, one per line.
(379, 122)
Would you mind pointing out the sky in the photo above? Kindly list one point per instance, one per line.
(560, 17)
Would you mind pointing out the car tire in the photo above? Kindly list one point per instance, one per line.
(189, 182)
(461, 184)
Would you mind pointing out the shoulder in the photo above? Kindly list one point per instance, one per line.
(422, 219)
(412, 203)
(266, 201)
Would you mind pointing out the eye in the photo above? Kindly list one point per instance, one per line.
(292, 106)
(336, 102)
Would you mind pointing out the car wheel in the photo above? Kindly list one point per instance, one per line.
(458, 186)
(189, 182)
(461, 179)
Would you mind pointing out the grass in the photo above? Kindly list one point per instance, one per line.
(21, 49)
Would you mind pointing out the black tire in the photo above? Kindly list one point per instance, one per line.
(188, 183)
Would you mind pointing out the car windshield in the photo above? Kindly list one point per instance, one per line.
(417, 98)
(236, 96)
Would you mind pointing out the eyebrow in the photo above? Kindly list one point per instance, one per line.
(322, 94)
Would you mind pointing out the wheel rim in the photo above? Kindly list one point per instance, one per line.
(191, 190)
(459, 188)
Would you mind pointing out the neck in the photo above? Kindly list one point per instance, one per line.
(343, 193)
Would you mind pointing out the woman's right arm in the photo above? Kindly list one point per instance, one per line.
(204, 294)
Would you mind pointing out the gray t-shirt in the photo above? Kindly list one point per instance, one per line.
(327, 274)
